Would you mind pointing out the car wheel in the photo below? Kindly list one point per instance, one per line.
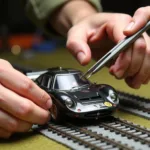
(54, 111)
(56, 115)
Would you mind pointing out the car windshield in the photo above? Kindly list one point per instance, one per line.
(69, 81)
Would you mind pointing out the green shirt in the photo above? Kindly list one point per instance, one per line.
(40, 10)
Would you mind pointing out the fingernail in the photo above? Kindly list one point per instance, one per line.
(119, 74)
(129, 27)
(49, 104)
(80, 57)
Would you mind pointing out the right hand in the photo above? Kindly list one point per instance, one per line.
(22, 102)
(96, 34)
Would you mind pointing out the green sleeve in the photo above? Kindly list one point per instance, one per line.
(40, 10)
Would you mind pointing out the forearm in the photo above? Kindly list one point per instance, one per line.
(69, 14)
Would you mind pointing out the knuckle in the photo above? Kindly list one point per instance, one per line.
(25, 109)
(2, 69)
(26, 85)
(140, 45)
(3, 64)
(123, 17)
(2, 61)
(13, 125)
(126, 17)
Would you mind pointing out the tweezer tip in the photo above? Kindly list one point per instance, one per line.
(85, 76)
(89, 76)
(82, 76)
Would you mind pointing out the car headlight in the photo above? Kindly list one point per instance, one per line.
(68, 101)
(113, 96)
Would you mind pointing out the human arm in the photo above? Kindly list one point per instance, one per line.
(41, 12)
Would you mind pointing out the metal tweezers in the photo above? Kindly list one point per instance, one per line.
(125, 43)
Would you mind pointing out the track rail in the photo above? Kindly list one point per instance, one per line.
(111, 133)
(134, 104)
(86, 137)
(129, 130)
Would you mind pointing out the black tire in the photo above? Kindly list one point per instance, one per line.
(57, 115)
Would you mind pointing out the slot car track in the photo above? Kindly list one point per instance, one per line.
(110, 133)
(134, 104)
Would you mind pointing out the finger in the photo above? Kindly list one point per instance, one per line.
(146, 81)
(5, 63)
(138, 54)
(100, 43)
(4, 134)
(16, 81)
(144, 73)
(140, 18)
(77, 45)
(13, 124)
(115, 28)
(122, 64)
(147, 39)
(129, 81)
(21, 107)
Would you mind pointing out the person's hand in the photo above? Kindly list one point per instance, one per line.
(99, 32)
(22, 102)
(139, 70)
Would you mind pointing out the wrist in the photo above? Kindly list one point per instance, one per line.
(71, 13)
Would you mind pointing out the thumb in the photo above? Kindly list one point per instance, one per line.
(78, 45)
(140, 18)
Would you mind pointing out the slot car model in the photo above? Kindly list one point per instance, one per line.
(75, 96)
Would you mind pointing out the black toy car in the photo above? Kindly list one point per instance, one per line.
(75, 96)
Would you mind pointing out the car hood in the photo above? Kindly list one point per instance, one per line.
(85, 93)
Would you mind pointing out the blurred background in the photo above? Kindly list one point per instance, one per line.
(22, 39)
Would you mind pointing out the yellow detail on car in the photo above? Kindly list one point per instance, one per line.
(108, 104)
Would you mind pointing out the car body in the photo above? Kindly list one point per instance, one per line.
(75, 96)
